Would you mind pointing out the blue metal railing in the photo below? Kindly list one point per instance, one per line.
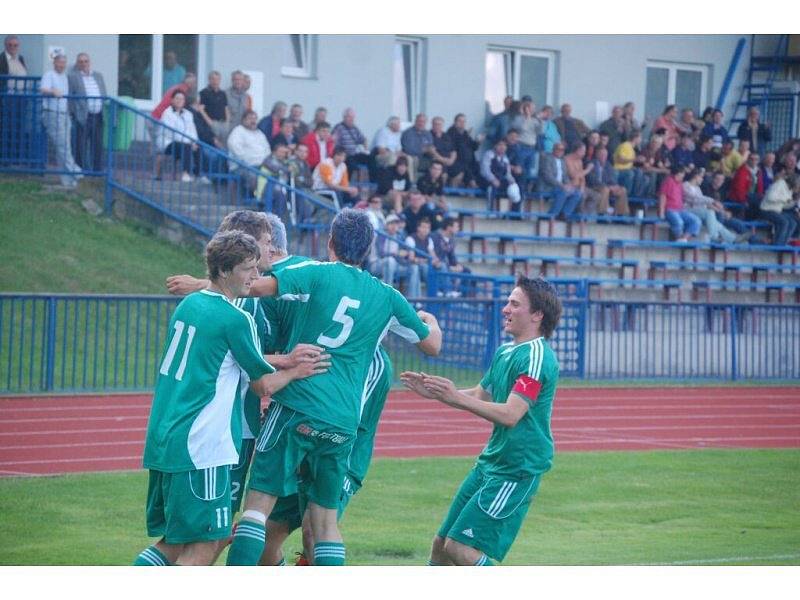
(71, 343)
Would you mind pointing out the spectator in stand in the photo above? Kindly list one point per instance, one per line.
(591, 141)
(465, 170)
(496, 170)
(577, 177)
(213, 109)
(421, 240)
(550, 135)
(248, 99)
(604, 140)
(758, 134)
(779, 206)
(248, 144)
(716, 130)
(631, 124)
(386, 147)
(331, 174)
(655, 166)
(716, 188)
(174, 72)
(530, 128)
(320, 116)
(747, 187)
(88, 113)
(394, 261)
(319, 143)
(302, 179)
(276, 165)
(208, 162)
(603, 180)
(431, 185)
(705, 208)
(683, 153)
(236, 98)
(553, 179)
(54, 85)
(708, 115)
(375, 212)
(688, 124)
(271, 124)
(501, 122)
(14, 122)
(394, 185)
(416, 142)
(701, 156)
(628, 175)
(614, 128)
(444, 246)
(732, 159)
(571, 130)
(513, 154)
(348, 136)
(180, 144)
(789, 162)
(418, 209)
(683, 224)
(296, 117)
(791, 146)
(286, 135)
(767, 169)
(189, 88)
(667, 122)
(443, 150)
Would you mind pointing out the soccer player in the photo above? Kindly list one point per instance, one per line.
(287, 515)
(516, 395)
(193, 436)
(348, 312)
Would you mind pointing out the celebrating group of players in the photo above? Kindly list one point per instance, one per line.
(308, 335)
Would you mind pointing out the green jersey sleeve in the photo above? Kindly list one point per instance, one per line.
(243, 341)
(297, 282)
(405, 321)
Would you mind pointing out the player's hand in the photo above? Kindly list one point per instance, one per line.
(182, 285)
(427, 318)
(306, 353)
(413, 381)
(441, 388)
(307, 369)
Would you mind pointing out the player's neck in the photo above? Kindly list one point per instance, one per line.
(527, 336)
(222, 289)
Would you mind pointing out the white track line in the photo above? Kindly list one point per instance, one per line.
(70, 460)
(62, 419)
(78, 445)
(726, 559)
(18, 473)
(72, 431)
(110, 408)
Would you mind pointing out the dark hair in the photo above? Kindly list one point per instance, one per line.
(351, 236)
(286, 121)
(247, 113)
(228, 249)
(513, 130)
(447, 222)
(249, 221)
(675, 169)
(176, 92)
(694, 173)
(660, 131)
(401, 160)
(704, 139)
(339, 150)
(668, 108)
(424, 220)
(276, 145)
(322, 125)
(709, 110)
(542, 296)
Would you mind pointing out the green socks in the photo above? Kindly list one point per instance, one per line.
(248, 544)
(151, 557)
(329, 554)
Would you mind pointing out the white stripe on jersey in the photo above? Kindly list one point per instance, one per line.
(376, 369)
(502, 499)
(268, 427)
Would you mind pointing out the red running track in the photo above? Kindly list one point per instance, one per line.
(64, 434)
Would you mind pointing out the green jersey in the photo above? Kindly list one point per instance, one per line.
(529, 370)
(279, 314)
(348, 312)
(376, 389)
(251, 403)
(195, 420)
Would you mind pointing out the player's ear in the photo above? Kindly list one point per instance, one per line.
(537, 316)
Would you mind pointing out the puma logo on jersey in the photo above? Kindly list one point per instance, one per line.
(468, 533)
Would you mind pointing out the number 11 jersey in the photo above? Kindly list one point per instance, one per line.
(348, 312)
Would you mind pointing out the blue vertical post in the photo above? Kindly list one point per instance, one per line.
(50, 364)
(112, 125)
(581, 333)
(734, 336)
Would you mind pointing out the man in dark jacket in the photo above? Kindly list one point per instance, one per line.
(757, 133)
(87, 112)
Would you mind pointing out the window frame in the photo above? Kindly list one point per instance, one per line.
(307, 53)
(672, 78)
(514, 56)
(415, 93)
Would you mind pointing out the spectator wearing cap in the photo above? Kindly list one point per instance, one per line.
(682, 223)
(394, 260)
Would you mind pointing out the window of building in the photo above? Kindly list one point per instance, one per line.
(297, 55)
(146, 82)
(675, 83)
(407, 78)
(519, 73)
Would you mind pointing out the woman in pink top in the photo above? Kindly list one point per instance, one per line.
(683, 224)
(667, 122)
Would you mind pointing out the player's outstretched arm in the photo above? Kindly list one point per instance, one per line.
(267, 385)
(413, 381)
(299, 354)
(183, 285)
(507, 414)
(432, 344)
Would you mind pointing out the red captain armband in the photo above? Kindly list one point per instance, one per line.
(527, 387)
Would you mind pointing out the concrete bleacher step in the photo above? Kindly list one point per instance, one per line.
(523, 248)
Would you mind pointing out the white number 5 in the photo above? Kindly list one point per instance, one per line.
(340, 317)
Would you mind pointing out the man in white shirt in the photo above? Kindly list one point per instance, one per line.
(13, 110)
(248, 144)
(87, 112)
(386, 145)
(54, 86)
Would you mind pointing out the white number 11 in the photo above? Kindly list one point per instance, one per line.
(173, 347)
(340, 317)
